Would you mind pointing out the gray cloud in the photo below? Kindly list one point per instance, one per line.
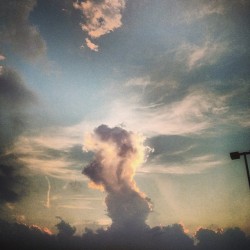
(172, 237)
(13, 181)
(212, 45)
(16, 30)
(15, 99)
(232, 238)
(13, 90)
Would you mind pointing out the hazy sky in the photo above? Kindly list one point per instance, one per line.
(173, 71)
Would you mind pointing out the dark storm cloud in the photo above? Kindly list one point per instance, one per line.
(16, 30)
(232, 238)
(15, 97)
(13, 181)
(172, 237)
(13, 90)
(21, 236)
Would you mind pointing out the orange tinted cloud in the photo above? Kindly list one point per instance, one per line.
(100, 18)
(91, 45)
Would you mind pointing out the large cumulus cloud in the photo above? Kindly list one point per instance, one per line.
(117, 155)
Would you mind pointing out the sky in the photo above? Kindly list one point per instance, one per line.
(170, 77)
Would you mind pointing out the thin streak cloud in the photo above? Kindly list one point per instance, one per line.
(48, 193)
(197, 110)
(193, 165)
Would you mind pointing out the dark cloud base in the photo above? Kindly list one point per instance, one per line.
(15, 100)
(172, 237)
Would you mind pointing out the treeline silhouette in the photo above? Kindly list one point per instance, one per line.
(172, 237)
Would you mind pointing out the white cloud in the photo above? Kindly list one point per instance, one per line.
(78, 207)
(206, 54)
(241, 118)
(138, 81)
(2, 57)
(32, 150)
(191, 115)
(201, 9)
(194, 114)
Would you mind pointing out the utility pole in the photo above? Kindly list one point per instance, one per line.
(236, 155)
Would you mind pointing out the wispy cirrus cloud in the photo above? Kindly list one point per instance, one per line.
(192, 114)
(207, 53)
(190, 165)
(54, 152)
(195, 10)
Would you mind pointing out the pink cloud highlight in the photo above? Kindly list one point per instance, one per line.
(91, 45)
(100, 18)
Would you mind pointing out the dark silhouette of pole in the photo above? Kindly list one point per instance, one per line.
(248, 175)
(236, 155)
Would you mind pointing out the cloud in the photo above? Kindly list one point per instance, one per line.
(16, 30)
(197, 10)
(117, 155)
(232, 238)
(2, 57)
(48, 193)
(206, 54)
(100, 17)
(13, 90)
(53, 151)
(13, 178)
(19, 235)
(172, 237)
(65, 230)
(162, 164)
(197, 110)
(91, 45)
(194, 10)
(15, 100)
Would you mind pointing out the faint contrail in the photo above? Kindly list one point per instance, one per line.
(48, 193)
